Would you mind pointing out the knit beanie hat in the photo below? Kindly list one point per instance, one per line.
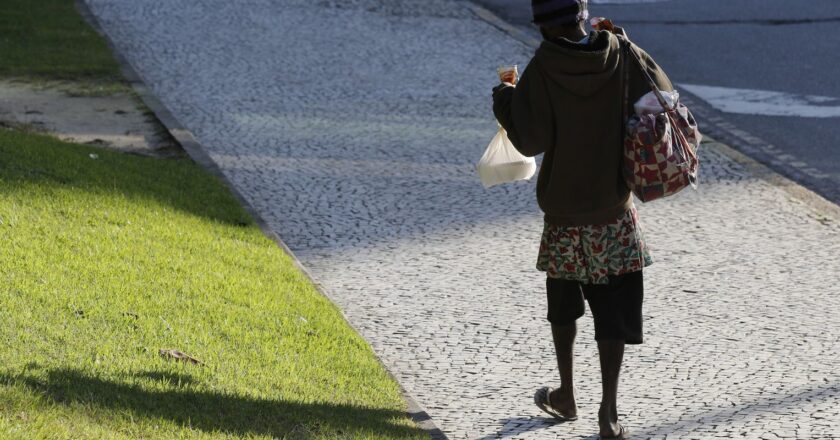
(559, 12)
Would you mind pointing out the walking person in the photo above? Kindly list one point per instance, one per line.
(569, 106)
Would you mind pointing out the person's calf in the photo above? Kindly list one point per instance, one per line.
(611, 355)
(564, 340)
(563, 398)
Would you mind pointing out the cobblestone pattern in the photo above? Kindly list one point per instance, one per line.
(353, 127)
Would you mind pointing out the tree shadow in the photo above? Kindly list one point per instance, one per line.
(402, 198)
(215, 412)
(42, 162)
(166, 377)
(514, 427)
(776, 403)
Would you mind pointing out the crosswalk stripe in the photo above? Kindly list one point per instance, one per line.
(766, 103)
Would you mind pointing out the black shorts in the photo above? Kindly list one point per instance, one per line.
(616, 307)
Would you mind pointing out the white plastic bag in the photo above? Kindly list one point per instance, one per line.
(648, 104)
(502, 163)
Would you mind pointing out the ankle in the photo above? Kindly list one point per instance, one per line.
(608, 410)
(562, 399)
(566, 390)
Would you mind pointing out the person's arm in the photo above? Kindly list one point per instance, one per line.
(524, 111)
(502, 99)
(639, 83)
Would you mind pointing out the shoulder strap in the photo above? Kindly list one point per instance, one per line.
(627, 49)
(625, 84)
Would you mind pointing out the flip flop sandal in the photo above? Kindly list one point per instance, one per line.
(623, 434)
(541, 398)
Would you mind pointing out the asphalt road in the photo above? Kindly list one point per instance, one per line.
(771, 45)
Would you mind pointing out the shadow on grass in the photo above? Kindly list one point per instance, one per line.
(214, 412)
(168, 378)
(33, 160)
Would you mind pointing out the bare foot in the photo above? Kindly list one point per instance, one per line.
(563, 401)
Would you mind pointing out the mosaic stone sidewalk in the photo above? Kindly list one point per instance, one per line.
(353, 127)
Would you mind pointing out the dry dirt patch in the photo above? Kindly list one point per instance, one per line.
(118, 121)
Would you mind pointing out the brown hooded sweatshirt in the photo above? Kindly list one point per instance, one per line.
(568, 104)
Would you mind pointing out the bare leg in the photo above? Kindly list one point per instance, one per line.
(611, 354)
(563, 398)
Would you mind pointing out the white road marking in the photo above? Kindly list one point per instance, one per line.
(766, 103)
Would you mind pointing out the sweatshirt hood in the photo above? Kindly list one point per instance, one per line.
(581, 69)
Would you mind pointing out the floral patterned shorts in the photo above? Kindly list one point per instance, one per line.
(591, 253)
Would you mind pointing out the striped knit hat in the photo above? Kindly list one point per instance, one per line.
(559, 12)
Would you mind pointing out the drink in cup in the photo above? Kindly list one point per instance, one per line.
(508, 74)
(602, 24)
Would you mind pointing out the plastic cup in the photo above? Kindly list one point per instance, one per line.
(508, 74)
(601, 24)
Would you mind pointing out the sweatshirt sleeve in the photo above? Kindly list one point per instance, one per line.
(502, 99)
(525, 113)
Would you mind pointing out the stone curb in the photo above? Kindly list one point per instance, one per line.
(819, 204)
(813, 200)
(194, 149)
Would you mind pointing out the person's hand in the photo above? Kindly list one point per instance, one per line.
(508, 77)
(502, 86)
(620, 31)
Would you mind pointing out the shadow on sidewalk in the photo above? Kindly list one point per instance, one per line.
(769, 405)
(777, 403)
(516, 426)
(212, 412)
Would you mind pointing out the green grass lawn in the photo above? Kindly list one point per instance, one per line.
(47, 40)
(106, 259)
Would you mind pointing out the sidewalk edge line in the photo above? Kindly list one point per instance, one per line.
(193, 148)
(494, 20)
(816, 202)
